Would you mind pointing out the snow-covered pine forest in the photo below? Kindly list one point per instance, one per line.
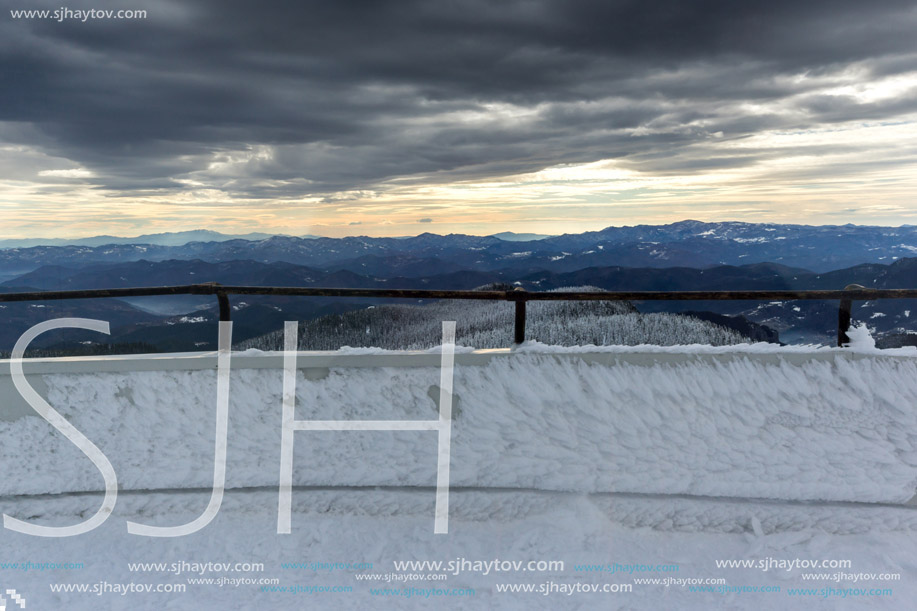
(489, 324)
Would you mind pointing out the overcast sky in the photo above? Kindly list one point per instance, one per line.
(393, 118)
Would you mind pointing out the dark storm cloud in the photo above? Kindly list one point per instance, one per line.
(318, 97)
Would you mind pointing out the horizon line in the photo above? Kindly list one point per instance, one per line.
(268, 234)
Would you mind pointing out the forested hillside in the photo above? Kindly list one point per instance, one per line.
(487, 324)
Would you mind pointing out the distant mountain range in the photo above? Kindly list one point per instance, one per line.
(900, 274)
(510, 236)
(177, 238)
(688, 255)
(180, 238)
(686, 243)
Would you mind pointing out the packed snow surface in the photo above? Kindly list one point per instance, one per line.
(377, 527)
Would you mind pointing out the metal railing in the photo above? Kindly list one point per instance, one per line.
(518, 296)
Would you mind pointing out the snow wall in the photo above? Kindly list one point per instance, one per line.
(752, 422)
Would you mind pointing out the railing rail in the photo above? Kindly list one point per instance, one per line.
(519, 296)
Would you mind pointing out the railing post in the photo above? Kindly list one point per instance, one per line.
(843, 316)
(225, 310)
(519, 326)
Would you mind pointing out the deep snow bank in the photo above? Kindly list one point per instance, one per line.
(781, 424)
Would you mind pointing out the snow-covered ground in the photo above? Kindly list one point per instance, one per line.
(384, 526)
(668, 459)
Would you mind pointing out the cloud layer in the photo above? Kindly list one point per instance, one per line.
(338, 103)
